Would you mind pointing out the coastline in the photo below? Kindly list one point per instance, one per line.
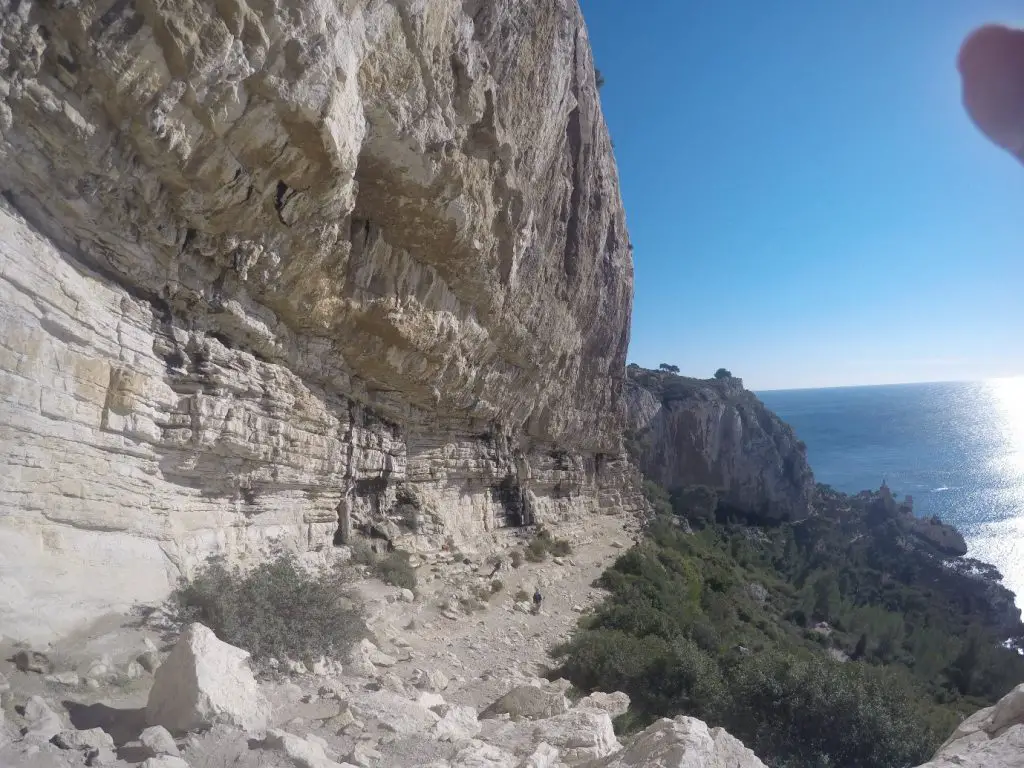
(957, 448)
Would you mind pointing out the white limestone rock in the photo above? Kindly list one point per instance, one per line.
(992, 737)
(680, 743)
(579, 735)
(430, 700)
(544, 756)
(373, 654)
(614, 704)
(528, 702)
(477, 754)
(164, 761)
(365, 755)
(304, 753)
(293, 260)
(93, 738)
(458, 724)
(43, 722)
(430, 680)
(205, 681)
(69, 679)
(394, 712)
(159, 741)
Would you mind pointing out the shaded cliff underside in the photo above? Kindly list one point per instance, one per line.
(289, 272)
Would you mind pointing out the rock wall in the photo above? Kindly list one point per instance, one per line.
(688, 432)
(990, 738)
(294, 271)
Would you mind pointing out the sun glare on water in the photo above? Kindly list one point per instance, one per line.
(1008, 417)
(1001, 542)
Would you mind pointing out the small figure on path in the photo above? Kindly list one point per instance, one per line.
(536, 601)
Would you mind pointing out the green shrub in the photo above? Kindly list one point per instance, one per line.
(561, 548)
(277, 609)
(543, 544)
(496, 586)
(522, 595)
(680, 633)
(850, 714)
(516, 558)
(392, 568)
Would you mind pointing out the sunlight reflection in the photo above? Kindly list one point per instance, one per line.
(1008, 403)
(1001, 542)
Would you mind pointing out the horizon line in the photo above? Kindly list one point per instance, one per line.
(890, 384)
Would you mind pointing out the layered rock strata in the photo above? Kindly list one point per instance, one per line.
(292, 272)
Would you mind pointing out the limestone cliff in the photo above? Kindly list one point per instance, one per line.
(688, 432)
(285, 271)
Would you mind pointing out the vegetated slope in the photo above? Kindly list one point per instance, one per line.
(850, 638)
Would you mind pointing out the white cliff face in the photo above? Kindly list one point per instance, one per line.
(287, 273)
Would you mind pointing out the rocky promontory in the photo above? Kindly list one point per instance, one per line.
(712, 432)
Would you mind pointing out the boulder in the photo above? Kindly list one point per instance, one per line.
(579, 735)
(476, 754)
(527, 702)
(149, 659)
(32, 661)
(431, 700)
(43, 722)
(205, 681)
(365, 650)
(159, 741)
(757, 592)
(614, 704)
(394, 712)
(458, 724)
(681, 743)
(365, 755)
(101, 669)
(64, 678)
(94, 738)
(392, 682)
(992, 737)
(164, 761)
(544, 756)
(325, 667)
(302, 752)
(430, 680)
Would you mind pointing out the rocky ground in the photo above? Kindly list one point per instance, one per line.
(449, 678)
(446, 679)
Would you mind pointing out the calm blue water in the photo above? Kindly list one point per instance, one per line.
(958, 449)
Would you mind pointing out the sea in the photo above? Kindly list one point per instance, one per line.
(956, 448)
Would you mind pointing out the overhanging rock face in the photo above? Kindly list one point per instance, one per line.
(293, 271)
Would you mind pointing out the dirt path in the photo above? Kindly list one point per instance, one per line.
(482, 651)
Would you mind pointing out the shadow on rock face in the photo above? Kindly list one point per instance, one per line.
(123, 725)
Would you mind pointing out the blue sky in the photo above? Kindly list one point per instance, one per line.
(809, 203)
